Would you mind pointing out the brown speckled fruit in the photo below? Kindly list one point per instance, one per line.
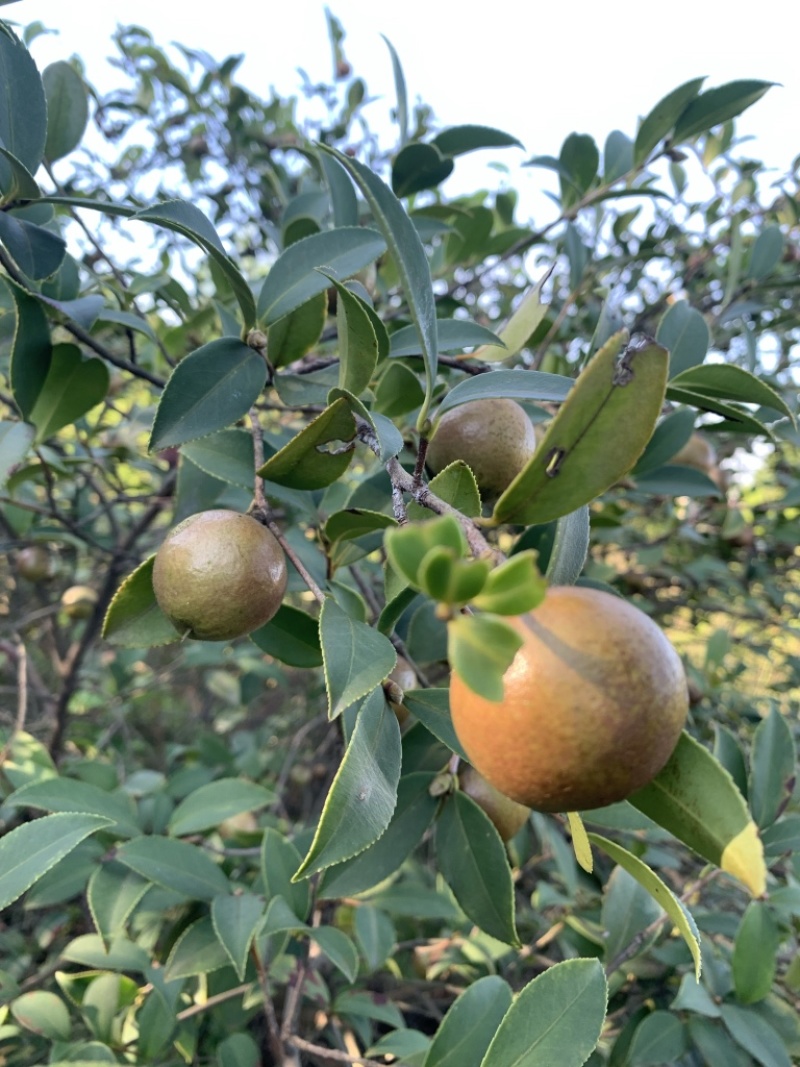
(34, 564)
(219, 575)
(594, 704)
(494, 438)
(507, 815)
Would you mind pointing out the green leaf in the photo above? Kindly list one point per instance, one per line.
(772, 768)
(407, 546)
(471, 1022)
(31, 351)
(660, 1038)
(516, 333)
(294, 276)
(134, 619)
(406, 248)
(375, 935)
(766, 253)
(755, 953)
(454, 336)
(121, 955)
(210, 388)
(716, 106)
(227, 455)
(38, 251)
(513, 588)
(671, 434)
(419, 166)
(174, 865)
(728, 382)
(70, 795)
(432, 708)
(189, 221)
(357, 658)
(715, 1045)
(570, 548)
(42, 1013)
(358, 342)
(236, 918)
(342, 194)
(292, 336)
(363, 795)
(211, 804)
(579, 161)
(628, 909)
(660, 122)
(556, 1018)
(279, 860)
(303, 463)
(596, 437)
(398, 391)
(472, 858)
(782, 837)
(696, 799)
(617, 156)
(238, 1050)
(455, 485)
(412, 816)
(112, 894)
(695, 998)
(16, 439)
(290, 636)
(23, 117)
(197, 951)
(338, 947)
(756, 1036)
(74, 385)
(480, 649)
(678, 481)
(401, 112)
(738, 419)
(456, 140)
(683, 331)
(658, 890)
(29, 851)
(67, 109)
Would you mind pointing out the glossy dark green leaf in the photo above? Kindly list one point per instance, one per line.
(660, 122)
(23, 121)
(358, 342)
(669, 437)
(579, 161)
(209, 389)
(715, 106)
(432, 708)
(134, 619)
(294, 277)
(113, 892)
(412, 816)
(16, 439)
(31, 351)
(67, 109)
(728, 382)
(756, 1036)
(556, 1018)
(355, 522)
(357, 658)
(279, 860)
(236, 918)
(696, 799)
(773, 764)
(211, 804)
(660, 1038)
(455, 485)
(363, 796)
(292, 637)
(472, 858)
(305, 463)
(37, 251)
(755, 953)
(227, 455)
(343, 197)
(198, 950)
(398, 392)
(471, 1022)
(419, 166)
(598, 434)
(728, 751)
(456, 140)
(570, 548)
(738, 419)
(21, 184)
(454, 336)
(189, 221)
(68, 794)
(766, 253)
(683, 331)
(30, 850)
(175, 865)
(481, 648)
(292, 336)
(515, 385)
(409, 256)
(73, 386)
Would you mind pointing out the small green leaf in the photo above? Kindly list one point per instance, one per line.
(516, 333)
(292, 637)
(236, 918)
(480, 649)
(755, 953)
(658, 890)
(628, 909)
(579, 160)
(74, 385)
(197, 951)
(358, 342)
(671, 434)
(292, 336)
(419, 166)
(398, 391)
(596, 437)
(659, 122)
(339, 949)
(31, 351)
(739, 420)
(16, 439)
(42, 1013)
(303, 463)
(67, 109)
(401, 113)
(112, 894)
(556, 1018)
(772, 768)
(294, 277)
(363, 795)
(454, 336)
(570, 548)
(660, 1038)
(342, 194)
(716, 106)
(728, 382)
(715, 1045)
(134, 619)
(766, 253)
(70, 795)
(357, 658)
(37, 251)
(279, 860)
(23, 122)
(694, 997)
(30, 850)
(375, 935)
(211, 804)
(756, 1036)
(471, 1022)
(408, 545)
(432, 708)
(683, 331)
(473, 860)
(175, 865)
(513, 588)
(227, 455)
(209, 389)
(457, 140)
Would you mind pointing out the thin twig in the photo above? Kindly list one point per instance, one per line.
(332, 1053)
(258, 454)
(275, 1043)
(300, 567)
(219, 998)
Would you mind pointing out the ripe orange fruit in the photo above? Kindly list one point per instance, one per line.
(594, 703)
(219, 575)
(494, 437)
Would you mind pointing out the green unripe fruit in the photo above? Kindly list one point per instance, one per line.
(402, 677)
(33, 563)
(219, 575)
(78, 601)
(494, 437)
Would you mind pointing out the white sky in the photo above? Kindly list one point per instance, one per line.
(538, 71)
